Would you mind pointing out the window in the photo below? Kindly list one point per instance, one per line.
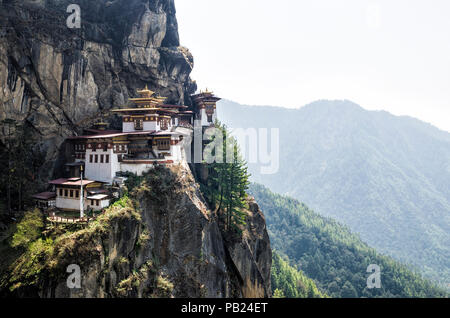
(102, 158)
(164, 144)
(97, 202)
(209, 118)
(90, 158)
(71, 193)
(60, 192)
(96, 158)
(164, 124)
(107, 159)
(77, 194)
(66, 193)
(92, 202)
(139, 124)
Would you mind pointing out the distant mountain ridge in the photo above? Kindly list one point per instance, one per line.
(384, 176)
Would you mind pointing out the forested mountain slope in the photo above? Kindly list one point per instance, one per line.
(288, 282)
(331, 255)
(386, 177)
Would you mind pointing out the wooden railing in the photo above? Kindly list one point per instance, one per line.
(64, 219)
(52, 217)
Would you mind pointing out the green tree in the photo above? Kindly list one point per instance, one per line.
(28, 229)
(277, 293)
(228, 180)
(22, 161)
(289, 282)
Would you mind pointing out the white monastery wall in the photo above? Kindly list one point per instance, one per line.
(151, 125)
(104, 172)
(74, 204)
(128, 127)
(138, 169)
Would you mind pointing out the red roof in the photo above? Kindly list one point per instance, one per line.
(45, 195)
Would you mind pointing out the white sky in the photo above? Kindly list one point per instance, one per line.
(382, 54)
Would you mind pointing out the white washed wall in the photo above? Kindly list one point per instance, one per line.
(151, 125)
(104, 172)
(128, 126)
(138, 169)
(74, 204)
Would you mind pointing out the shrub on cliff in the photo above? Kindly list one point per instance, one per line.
(29, 229)
(45, 257)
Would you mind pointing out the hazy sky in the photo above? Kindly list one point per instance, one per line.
(392, 55)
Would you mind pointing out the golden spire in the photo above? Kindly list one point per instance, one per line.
(146, 93)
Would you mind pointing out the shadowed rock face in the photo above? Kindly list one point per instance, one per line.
(194, 254)
(59, 80)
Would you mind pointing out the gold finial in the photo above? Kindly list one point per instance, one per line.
(146, 93)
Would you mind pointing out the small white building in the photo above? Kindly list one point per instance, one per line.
(68, 192)
(45, 200)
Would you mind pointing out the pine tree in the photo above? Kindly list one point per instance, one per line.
(227, 184)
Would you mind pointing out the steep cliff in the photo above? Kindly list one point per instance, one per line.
(57, 80)
(161, 242)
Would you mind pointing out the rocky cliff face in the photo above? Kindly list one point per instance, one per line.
(163, 242)
(59, 80)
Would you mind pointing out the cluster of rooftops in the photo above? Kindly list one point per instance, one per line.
(152, 133)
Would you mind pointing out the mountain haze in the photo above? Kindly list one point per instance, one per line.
(384, 176)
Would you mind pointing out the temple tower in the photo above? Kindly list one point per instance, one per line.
(205, 107)
(146, 115)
